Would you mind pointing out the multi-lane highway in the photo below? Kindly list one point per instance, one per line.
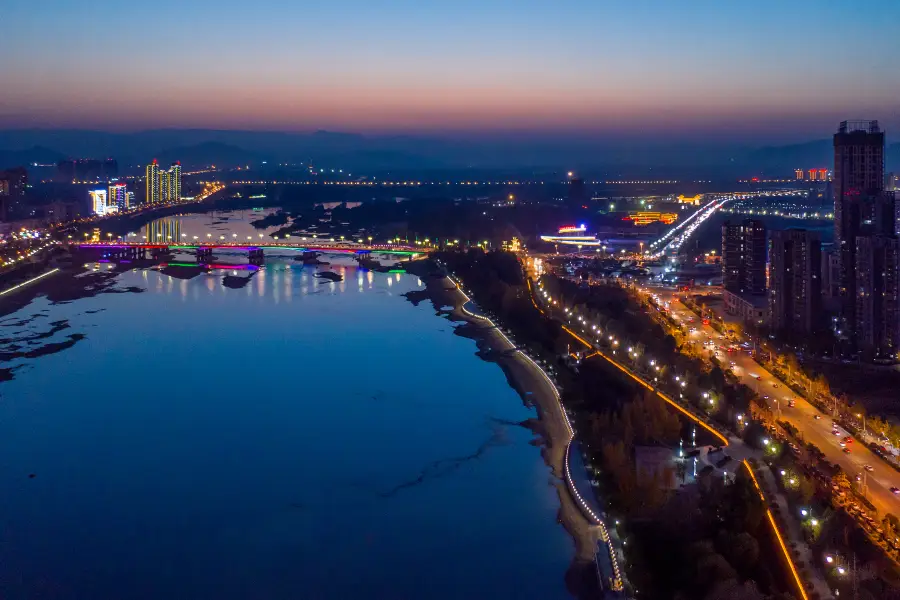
(879, 478)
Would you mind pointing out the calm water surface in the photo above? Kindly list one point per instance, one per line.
(294, 438)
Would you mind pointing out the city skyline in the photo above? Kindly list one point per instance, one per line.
(705, 72)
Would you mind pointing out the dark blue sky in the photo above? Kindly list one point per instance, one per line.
(769, 69)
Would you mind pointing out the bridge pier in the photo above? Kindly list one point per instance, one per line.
(204, 254)
(257, 256)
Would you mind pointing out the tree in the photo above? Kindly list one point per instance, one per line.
(734, 590)
(712, 568)
(840, 479)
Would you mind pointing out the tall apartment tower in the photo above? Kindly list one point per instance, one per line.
(877, 305)
(744, 257)
(118, 196)
(152, 179)
(175, 182)
(164, 187)
(795, 282)
(858, 175)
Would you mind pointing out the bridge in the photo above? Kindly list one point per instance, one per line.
(256, 253)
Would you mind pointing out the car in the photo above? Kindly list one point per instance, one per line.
(895, 490)
(774, 385)
(791, 403)
(848, 439)
(757, 377)
(817, 417)
(843, 445)
(765, 397)
(869, 468)
(846, 450)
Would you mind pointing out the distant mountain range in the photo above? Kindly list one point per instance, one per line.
(600, 157)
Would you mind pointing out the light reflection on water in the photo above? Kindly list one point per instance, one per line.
(294, 438)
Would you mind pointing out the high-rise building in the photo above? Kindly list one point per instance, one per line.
(798, 174)
(858, 177)
(795, 284)
(877, 303)
(744, 257)
(129, 200)
(164, 186)
(732, 256)
(152, 180)
(175, 182)
(831, 275)
(98, 201)
(118, 196)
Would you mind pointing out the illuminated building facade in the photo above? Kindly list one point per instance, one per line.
(175, 182)
(646, 218)
(152, 180)
(163, 186)
(572, 235)
(818, 174)
(118, 196)
(98, 201)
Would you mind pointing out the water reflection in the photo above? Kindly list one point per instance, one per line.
(220, 443)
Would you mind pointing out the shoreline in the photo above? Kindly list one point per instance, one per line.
(550, 426)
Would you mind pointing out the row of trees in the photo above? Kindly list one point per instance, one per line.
(696, 542)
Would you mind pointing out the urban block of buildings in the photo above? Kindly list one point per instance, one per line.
(859, 278)
(163, 186)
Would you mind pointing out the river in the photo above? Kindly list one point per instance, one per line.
(293, 438)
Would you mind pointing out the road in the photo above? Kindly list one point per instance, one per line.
(801, 415)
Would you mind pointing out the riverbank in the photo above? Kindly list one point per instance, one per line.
(536, 391)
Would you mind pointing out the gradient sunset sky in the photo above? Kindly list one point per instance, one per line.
(774, 69)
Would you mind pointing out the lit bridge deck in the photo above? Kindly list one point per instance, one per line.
(316, 247)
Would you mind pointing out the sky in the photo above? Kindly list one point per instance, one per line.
(778, 70)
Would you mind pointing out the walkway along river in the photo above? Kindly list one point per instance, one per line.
(562, 452)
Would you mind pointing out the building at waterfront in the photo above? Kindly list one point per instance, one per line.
(174, 182)
(744, 257)
(98, 201)
(877, 303)
(163, 186)
(118, 196)
(795, 283)
(152, 180)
